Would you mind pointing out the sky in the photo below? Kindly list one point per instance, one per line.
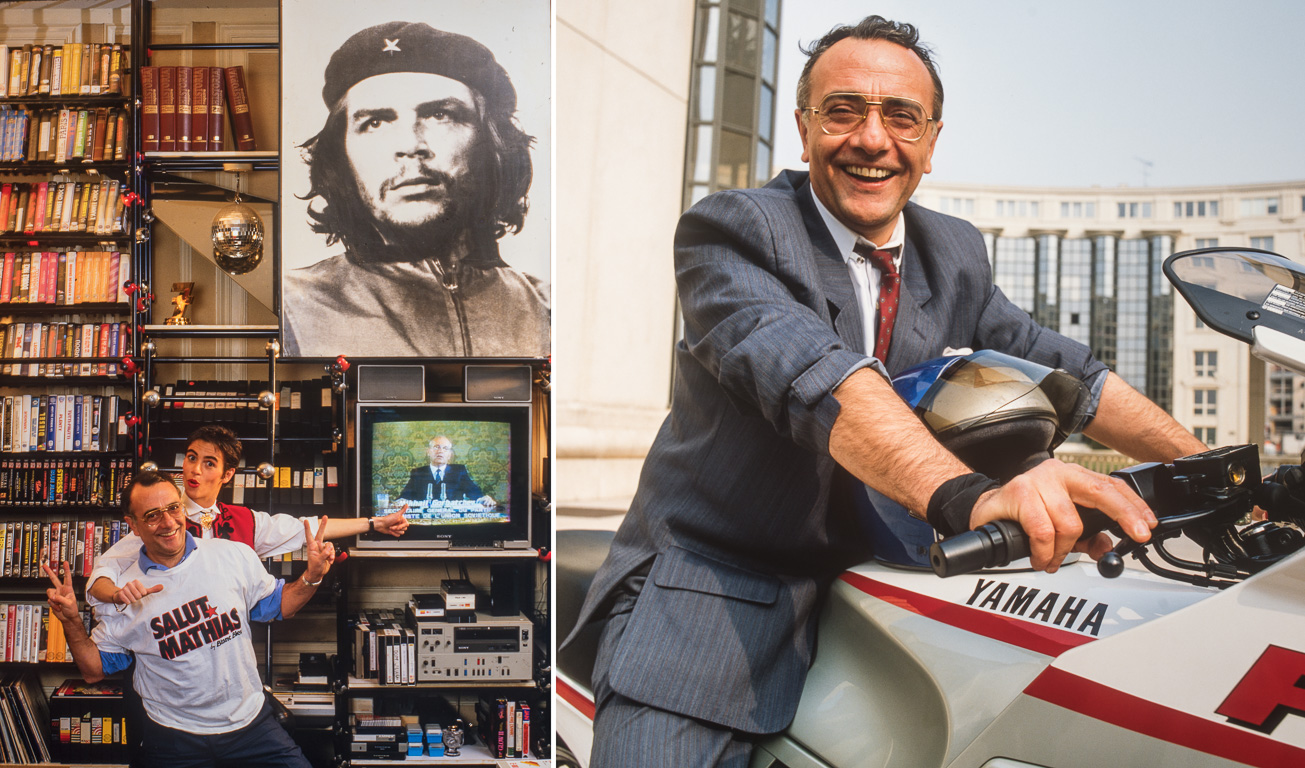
(1080, 94)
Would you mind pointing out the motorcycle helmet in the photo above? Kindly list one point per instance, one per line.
(999, 414)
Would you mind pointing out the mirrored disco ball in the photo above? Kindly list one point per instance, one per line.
(237, 238)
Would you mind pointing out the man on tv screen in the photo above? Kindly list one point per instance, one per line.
(440, 481)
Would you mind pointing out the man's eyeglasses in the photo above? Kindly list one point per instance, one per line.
(841, 113)
(153, 518)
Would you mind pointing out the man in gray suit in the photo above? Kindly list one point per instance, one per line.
(782, 414)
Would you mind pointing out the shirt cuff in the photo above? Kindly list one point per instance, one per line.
(269, 608)
(1095, 387)
(114, 662)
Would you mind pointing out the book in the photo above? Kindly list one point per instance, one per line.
(185, 102)
(242, 125)
(216, 108)
(101, 127)
(149, 108)
(199, 109)
(167, 109)
(118, 56)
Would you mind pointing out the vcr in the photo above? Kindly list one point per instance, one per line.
(492, 648)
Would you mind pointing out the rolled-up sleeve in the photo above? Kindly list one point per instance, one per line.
(753, 318)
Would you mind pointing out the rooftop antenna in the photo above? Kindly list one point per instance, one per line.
(1146, 169)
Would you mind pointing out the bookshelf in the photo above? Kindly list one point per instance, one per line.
(66, 188)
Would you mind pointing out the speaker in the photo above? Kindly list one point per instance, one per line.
(504, 590)
(497, 383)
(391, 384)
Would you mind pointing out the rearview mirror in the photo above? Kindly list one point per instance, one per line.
(1251, 295)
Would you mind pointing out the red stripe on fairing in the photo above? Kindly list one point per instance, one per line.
(575, 698)
(1048, 640)
(1087, 697)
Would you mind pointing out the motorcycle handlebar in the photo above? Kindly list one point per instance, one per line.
(988, 546)
(995, 544)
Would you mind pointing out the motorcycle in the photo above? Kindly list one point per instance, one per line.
(1194, 657)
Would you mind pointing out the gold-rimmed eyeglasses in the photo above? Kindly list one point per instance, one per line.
(841, 113)
(153, 518)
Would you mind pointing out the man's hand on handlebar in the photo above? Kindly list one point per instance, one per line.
(1042, 501)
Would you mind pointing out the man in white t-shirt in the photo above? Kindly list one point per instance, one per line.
(195, 667)
(212, 455)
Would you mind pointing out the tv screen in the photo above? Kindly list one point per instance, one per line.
(461, 471)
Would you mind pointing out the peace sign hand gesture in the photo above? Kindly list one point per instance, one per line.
(321, 553)
(63, 601)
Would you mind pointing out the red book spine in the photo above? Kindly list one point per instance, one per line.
(42, 190)
(185, 102)
(199, 109)
(167, 109)
(149, 108)
(10, 628)
(216, 111)
(6, 200)
(88, 540)
(242, 125)
(6, 280)
(101, 368)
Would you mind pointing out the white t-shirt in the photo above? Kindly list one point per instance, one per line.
(195, 664)
(273, 535)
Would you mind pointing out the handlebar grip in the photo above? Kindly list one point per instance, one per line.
(998, 543)
(988, 546)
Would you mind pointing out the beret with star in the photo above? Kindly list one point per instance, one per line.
(401, 46)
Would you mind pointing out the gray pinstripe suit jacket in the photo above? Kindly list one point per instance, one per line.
(741, 515)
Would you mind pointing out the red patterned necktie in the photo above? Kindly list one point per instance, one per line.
(889, 291)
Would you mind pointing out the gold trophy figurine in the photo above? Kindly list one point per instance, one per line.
(180, 303)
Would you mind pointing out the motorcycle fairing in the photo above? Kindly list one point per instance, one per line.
(1179, 691)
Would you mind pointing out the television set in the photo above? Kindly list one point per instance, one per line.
(461, 470)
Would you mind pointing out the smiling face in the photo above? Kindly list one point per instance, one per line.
(204, 472)
(159, 519)
(867, 176)
(409, 138)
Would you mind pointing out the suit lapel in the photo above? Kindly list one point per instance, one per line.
(844, 309)
(914, 331)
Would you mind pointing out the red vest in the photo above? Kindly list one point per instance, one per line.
(232, 523)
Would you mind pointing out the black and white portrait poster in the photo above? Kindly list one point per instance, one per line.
(415, 178)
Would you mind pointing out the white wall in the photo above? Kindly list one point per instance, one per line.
(622, 75)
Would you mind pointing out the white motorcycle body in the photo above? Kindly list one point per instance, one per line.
(1011, 668)
(1007, 668)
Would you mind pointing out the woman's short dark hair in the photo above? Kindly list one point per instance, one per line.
(224, 440)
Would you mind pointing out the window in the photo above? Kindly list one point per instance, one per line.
(1205, 401)
(1207, 364)
(732, 99)
(1205, 435)
(1263, 243)
(1020, 208)
(956, 206)
(1134, 210)
(1078, 210)
(1207, 242)
(1259, 206)
(1196, 208)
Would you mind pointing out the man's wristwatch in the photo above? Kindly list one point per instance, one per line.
(308, 583)
(371, 525)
